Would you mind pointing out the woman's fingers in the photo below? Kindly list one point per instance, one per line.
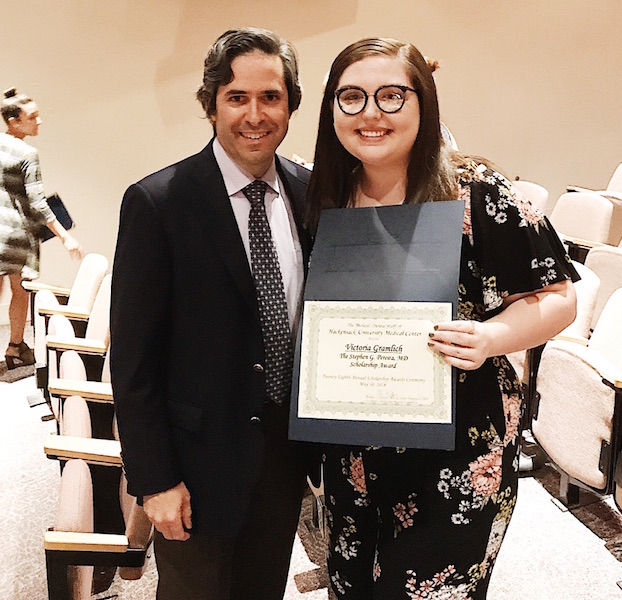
(459, 343)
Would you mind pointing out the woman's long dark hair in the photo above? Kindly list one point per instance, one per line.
(430, 174)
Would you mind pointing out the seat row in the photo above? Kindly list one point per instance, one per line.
(574, 384)
(99, 529)
(583, 218)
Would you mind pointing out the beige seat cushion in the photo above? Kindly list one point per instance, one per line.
(75, 513)
(575, 413)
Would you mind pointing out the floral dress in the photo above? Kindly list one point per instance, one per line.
(428, 524)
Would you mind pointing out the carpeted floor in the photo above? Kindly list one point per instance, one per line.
(548, 554)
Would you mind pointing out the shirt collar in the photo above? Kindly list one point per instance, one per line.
(235, 177)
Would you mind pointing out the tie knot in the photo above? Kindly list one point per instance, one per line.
(255, 191)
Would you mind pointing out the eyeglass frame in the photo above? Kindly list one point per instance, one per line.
(403, 88)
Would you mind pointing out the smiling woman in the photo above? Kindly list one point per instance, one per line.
(399, 517)
(380, 138)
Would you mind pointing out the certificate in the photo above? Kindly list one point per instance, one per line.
(379, 280)
(371, 361)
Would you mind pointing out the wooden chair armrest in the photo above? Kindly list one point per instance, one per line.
(608, 371)
(581, 242)
(35, 286)
(611, 194)
(75, 314)
(615, 380)
(571, 338)
(86, 542)
(92, 450)
(83, 345)
(95, 391)
(577, 188)
(612, 376)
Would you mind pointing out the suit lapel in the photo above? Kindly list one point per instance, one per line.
(213, 207)
(296, 190)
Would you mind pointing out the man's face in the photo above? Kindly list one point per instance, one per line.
(252, 113)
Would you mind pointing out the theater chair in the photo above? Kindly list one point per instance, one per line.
(534, 192)
(73, 382)
(582, 220)
(606, 262)
(105, 506)
(525, 362)
(92, 347)
(578, 406)
(75, 302)
(613, 193)
(73, 546)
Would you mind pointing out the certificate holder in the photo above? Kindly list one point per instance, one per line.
(378, 280)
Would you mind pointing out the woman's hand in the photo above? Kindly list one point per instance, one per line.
(463, 344)
(69, 242)
(526, 321)
(72, 246)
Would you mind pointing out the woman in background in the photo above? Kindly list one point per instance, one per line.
(408, 523)
(23, 212)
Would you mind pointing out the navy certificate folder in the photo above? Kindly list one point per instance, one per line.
(406, 253)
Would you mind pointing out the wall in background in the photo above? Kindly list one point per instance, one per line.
(534, 86)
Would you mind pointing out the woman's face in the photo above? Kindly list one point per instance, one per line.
(376, 138)
(27, 123)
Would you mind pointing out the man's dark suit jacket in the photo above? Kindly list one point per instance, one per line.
(186, 343)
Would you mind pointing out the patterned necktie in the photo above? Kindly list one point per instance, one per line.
(270, 297)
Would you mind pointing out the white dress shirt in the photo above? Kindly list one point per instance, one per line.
(282, 225)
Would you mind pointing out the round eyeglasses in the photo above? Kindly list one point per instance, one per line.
(352, 100)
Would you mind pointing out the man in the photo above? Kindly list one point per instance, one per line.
(203, 436)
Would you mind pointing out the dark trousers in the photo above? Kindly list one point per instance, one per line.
(254, 564)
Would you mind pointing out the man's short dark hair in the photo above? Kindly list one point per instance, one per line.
(236, 42)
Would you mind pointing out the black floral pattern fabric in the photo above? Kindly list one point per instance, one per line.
(418, 524)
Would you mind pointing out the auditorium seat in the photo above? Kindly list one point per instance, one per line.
(582, 220)
(92, 347)
(613, 192)
(537, 194)
(606, 262)
(73, 546)
(75, 302)
(578, 406)
(94, 499)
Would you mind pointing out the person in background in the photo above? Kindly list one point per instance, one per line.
(201, 366)
(414, 523)
(23, 212)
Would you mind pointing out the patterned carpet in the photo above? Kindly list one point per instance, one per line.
(29, 495)
(548, 554)
(599, 515)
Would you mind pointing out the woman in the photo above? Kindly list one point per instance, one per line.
(23, 212)
(428, 524)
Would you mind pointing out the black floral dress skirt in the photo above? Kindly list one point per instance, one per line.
(423, 524)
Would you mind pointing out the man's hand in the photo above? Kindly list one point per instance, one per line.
(170, 512)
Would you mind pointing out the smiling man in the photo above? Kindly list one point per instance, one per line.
(201, 359)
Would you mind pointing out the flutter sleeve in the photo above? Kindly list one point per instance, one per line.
(512, 247)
